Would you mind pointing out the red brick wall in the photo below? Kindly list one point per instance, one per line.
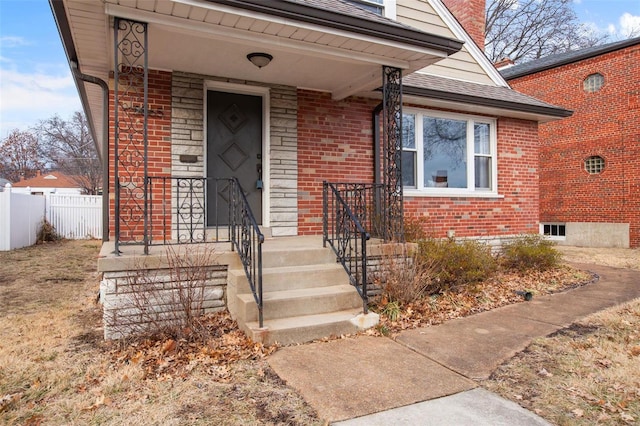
(471, 15)
(515, 212)
(159, 155)
(605, 123)
(335, 144)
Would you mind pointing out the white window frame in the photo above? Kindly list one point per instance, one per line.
(551, 236)
(470, 191)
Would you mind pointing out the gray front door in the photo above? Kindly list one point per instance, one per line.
(234, 149)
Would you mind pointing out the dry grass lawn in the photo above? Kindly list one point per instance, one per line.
(56, 369)
(586, 374)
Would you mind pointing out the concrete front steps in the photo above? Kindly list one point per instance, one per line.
(306, 294)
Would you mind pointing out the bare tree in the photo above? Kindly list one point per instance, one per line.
(69, 147)
(523, 30)
(19, 156)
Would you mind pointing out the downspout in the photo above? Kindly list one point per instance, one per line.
(377, 179)
(375, 119)
(105, 143)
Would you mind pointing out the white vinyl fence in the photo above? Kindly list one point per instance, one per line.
(21, 216)
(75, 216)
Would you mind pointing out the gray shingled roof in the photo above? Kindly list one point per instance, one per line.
(559, 59)
(441, 88)
(347, 16)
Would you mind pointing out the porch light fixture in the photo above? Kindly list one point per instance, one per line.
(259, 59)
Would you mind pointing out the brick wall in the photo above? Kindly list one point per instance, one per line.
(471, 15)
(605, 123)
(335, 144)
(130, 166)
(515, 211)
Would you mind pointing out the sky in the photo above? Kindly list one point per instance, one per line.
(36, 84)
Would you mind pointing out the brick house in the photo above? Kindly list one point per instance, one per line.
(589, 163)
(293, 121)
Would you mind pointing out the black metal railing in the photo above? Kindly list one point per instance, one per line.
(247, 240)
(188, 210)
(181, 210)
(346, 207)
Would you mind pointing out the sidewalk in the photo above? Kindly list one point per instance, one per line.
(389, 381)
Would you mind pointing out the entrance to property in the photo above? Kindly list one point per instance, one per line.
(234, 149)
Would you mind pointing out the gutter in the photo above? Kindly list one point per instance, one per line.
(105, 143)
(328, 18)
(64, 30)
(488, 102)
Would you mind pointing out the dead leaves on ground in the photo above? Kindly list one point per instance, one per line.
(498, 291)
(166, 358)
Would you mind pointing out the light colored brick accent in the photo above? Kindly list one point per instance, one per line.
(135, 300)
(188, 138)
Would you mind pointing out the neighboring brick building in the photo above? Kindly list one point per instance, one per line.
(590, 162)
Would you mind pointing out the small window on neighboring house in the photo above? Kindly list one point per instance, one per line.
(593, 82)
(594, 165)
(554, 230)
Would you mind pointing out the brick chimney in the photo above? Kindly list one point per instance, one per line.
(504, 63)
(471, 15)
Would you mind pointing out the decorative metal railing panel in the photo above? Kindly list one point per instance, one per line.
(392, 154)
(343, 230)
(177, 208)
(131, 123)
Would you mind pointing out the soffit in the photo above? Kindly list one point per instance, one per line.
(214, 39)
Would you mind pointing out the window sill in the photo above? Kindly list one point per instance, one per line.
(451, 193)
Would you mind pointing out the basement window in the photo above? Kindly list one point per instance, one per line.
(593, 83)
(594, 165)
(554, 230)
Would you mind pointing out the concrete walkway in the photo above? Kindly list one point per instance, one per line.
(426, 376)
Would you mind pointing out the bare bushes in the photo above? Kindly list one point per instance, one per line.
(454, 264)
(168, 300)
(401, 279)
(436, 266)
(529, 252)
(47, 233)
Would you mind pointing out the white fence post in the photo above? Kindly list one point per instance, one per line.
(21, 216)
(75, 216)
(5, 216)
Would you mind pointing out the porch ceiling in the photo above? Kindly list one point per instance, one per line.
(213, 38)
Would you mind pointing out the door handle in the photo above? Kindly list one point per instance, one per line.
(259, 183)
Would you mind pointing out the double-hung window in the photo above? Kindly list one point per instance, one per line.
(446, 153)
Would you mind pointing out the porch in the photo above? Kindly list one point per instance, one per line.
(304, 293)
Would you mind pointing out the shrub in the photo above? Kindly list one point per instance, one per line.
(400, 279)
(530, 251)
(166, 302)
(433, 267)
(47, 233)
(414, 229)
(454, 264)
